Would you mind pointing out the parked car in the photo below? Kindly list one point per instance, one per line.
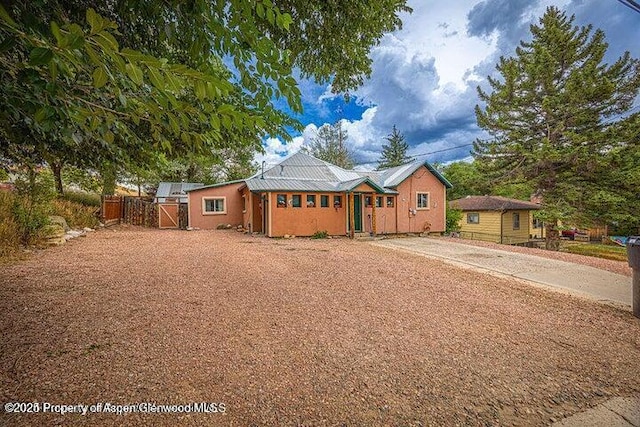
(571, 233)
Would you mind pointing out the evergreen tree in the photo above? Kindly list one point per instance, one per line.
(394, 153)
(330, 145)
(554, 118)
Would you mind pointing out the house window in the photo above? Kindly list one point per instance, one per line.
(311, 200)
(213, 206)
(473, 218)
(324, 201)
(282, 200)
(367, 201)
(378, 201)
(390, 202)
(337, 201)
(296, 201)
(422, 200)
(516, 221)
(244, 203)
(537, 223)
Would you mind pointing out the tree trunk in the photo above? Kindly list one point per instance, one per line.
(56, 168)
(552, 241)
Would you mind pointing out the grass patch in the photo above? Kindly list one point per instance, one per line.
(320, 235)
(616, 253)
(77, 215)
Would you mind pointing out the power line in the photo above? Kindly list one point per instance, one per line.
(631, 4)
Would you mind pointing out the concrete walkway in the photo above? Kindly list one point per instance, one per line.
(616, 412)
(576, 279)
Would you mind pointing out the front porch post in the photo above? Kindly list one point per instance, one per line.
(352, 220)
(373, 214)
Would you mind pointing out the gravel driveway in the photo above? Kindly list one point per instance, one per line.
(297, 332)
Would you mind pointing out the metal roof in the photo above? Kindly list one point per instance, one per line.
(305, 173)
(492, 203)
(172, 190)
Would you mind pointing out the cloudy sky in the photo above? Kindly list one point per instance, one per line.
(425, 76)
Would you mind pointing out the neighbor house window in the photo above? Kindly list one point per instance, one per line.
(337, 201)
(244, 203)
(282, 200)
(537, 223)
(473, 218)
(423, 200)
(516, 221)
(367, 201)
(390, 202)
(311, 200)
(378, 201)
(213, 205)
(324, 201)
(296, 201)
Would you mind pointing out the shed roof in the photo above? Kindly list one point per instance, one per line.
(175, 190)
(492, 203)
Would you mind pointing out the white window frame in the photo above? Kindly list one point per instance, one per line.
(477, 214)
(423, 208)
(204, 205)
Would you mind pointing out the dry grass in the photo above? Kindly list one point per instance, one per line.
(616, 253)
(298, 332)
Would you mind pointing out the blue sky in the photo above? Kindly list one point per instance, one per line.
(425, 76)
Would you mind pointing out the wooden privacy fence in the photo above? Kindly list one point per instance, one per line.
(134, 211)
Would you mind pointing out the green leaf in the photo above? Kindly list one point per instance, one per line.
(100, 77)
(40, 56)
(135, 74)
(94, 20)
(93, 55)
(55, 30)
(156, 78)
(201, 89)
(6, 17)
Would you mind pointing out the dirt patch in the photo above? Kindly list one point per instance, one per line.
(298, 332)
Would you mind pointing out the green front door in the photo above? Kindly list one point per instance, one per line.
(357, 213)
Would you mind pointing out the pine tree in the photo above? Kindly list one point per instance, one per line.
(330, 145)
(553, 117)
(394, 153)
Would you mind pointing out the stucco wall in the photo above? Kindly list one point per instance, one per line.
(306, 220)
(434, 216)
(233, 207)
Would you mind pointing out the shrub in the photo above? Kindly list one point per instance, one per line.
(77, 215)
(320, 234)
(9, 229)
(453, 219)
(86, 199)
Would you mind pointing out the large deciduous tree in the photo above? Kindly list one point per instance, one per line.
(556, 118)
(395, 152)
(104, 82)
(330, 145)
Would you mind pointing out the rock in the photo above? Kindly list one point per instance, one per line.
(88, 230)
(286, 236)
(221, 227)
(228, 226)
(56, 219)
(53, 231)
(56, 241)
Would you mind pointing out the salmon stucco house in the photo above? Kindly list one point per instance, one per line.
(303, 195)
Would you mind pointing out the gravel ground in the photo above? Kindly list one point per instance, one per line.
(620, 267)
(298, 332)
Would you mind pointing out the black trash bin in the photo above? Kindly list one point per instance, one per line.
(633, 256)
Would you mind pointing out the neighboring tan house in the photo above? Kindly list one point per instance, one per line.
(303, 195)
(495, 219)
